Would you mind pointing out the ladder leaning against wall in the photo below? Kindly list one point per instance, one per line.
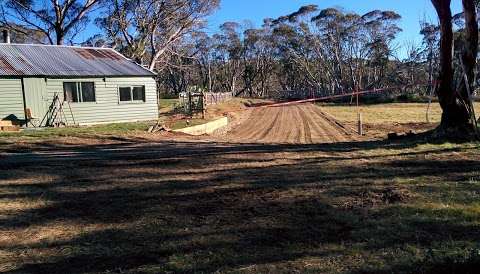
(56, 115)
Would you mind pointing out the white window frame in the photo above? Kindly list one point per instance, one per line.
(131, 95)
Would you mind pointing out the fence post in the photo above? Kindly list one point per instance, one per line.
(204, 106)
(190, 108)
(360, 124)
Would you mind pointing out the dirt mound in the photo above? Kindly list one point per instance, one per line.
(294, 124)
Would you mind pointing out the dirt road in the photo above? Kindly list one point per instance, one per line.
(294, 124)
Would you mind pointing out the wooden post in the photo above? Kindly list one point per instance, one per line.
(204, 104)
(359, 114)
(360, 124)
(190, 112)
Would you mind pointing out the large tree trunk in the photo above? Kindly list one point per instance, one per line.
(456, 117)
(470, 52)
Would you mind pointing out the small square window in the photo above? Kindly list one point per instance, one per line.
(125, 94)
(88, 92)
(139, 93)
(70, 92)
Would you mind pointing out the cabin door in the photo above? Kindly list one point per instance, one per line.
(36, 99)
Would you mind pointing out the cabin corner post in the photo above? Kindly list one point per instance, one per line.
(22, 81)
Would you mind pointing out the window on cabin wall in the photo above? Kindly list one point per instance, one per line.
(79, 92)
(133, 94)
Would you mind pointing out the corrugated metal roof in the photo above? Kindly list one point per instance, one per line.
(63, 61)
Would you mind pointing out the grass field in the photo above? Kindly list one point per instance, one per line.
(389, 113)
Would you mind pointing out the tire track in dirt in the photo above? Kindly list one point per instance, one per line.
(278, 133)
(306, 126)
(294, 125)
(319, 134)
(289, 128)
(247, 128)
(264, 125)
(274, 133)
(331, 120)
(300, 127)
(326, 130)
(264, 132)
(289, 131)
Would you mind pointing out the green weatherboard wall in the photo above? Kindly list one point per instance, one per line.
(39, 93)
(11, 99)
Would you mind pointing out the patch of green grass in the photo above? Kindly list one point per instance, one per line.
(107, 129)
(117, 129)
(167, 103)
(192, 122)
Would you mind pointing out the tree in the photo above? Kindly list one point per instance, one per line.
(454, 94)
(145, 30)
(431, 40)
(58, 20)
(229, 49)
(205, 60)
(258, 60)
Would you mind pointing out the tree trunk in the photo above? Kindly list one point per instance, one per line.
(60, 34)
(469, 54)
(455, 117)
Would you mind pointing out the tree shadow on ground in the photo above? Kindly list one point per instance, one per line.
(201, 208)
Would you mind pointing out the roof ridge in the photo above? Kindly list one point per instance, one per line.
(55, 46)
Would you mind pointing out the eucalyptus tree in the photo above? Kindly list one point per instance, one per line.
(310, 50)
(454, 92)
(381, 29)
(295, 50)
(431, 40)
(259, 60)
(229, 51)
(332, 32)
(56, 20)
(179, 72)
(205, 60)
(147, 30)
(22, 35)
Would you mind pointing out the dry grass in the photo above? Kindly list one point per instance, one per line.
(389, 113)
(381, 119)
